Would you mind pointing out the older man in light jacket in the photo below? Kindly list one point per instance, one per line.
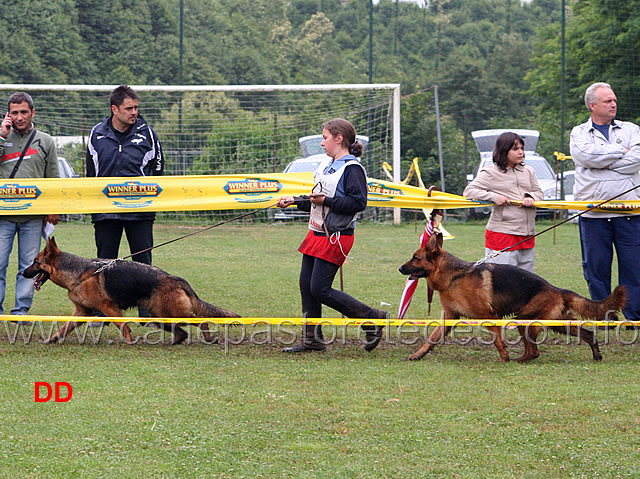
(606, 153)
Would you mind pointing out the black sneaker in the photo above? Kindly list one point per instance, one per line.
(373, 333)
(304, 348)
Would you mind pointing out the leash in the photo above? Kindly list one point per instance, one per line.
(497, 253)
(109, 263)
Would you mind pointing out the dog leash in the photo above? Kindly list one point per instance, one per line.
(109, 263)
(497, 253)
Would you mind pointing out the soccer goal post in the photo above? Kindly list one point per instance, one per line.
(227, 129)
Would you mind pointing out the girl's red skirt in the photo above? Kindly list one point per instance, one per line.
(333, 249)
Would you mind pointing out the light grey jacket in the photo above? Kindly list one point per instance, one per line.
(604, 168)
(515, 184)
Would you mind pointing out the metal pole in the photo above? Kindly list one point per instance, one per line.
(435, 89)
(396, 147)
(370, 41)
(180, 82)
(395, 31)
(562, 88)
(181, 40)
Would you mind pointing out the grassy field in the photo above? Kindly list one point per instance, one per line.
(248, 410)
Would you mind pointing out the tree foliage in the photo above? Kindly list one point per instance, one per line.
(601, 42)
(495, 61)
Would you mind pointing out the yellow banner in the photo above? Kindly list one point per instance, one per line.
(40, 196)
(329, 321)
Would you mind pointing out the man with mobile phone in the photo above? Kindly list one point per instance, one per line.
(124, 145)
(24, 153)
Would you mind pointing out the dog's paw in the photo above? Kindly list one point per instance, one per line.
(525, 358)
(414, 357)
(179, 336)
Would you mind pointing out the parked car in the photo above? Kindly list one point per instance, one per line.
(311, 145)
(300, 165)
(313, 156)
(485, 142)
(66, 170)
(569, 180)
(304, 165)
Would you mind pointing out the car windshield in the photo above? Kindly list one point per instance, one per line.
(312, 145)
(539, 165)
(568, 182)
(302, 166)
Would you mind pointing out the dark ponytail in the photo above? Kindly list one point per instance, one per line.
(356, 149)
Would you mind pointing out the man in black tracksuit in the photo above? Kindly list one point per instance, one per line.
(124, 145)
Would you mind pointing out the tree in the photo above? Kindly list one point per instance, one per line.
(601, 40)
(419, 139)
(42, 46)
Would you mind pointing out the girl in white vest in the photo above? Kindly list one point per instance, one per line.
(339, 194)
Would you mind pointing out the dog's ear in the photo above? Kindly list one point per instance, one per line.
(435, 242)
(52, 247)
(439, 239)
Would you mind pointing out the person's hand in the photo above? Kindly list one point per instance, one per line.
(527, 202)
(317, 198)
(53, 219)
(502, 200)
(284, 201)
(5, 127)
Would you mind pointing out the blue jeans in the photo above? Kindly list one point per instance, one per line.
(29, 234)
(598, 236)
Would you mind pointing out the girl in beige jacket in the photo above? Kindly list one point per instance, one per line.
(507, 180)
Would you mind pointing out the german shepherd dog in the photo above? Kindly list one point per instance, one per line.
(119, 286)
(495, 291)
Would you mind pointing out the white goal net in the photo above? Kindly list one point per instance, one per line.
(215, 130)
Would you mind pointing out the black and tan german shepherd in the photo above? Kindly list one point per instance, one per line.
(495, 291)
(120, 286)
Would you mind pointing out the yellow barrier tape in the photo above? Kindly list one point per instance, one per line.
(561, 156)
(615, 206)
(387, 168)
(414, 168)
(324, 321)
(40, 196)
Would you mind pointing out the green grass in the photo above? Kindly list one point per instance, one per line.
(248, 410)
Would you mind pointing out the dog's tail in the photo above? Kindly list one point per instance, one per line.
(589, 309)
(203, 309)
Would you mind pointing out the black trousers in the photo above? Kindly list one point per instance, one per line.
(108, 234)
(316, 278)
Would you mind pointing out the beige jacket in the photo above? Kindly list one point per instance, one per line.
(516, 183)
